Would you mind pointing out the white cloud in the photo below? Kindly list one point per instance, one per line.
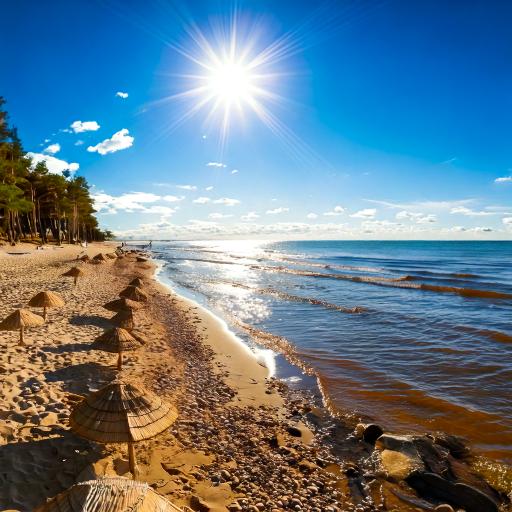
(120, 140)
(277, 211)
(209, 188)
(123, 95)
(79, 143)
(219, 216)
(129, 202)
(164, 211)
(504, 179)
(366, 213)
(419, 218)
(85, 126)
(202, 200)
(54, 165)
(249, 217)
(226, 201)
(52, 149)
(215, 164)
(337, 210)
(424, 205)
(312, 216)
(234, 171)
(186, 187)
(507, 221)
(462, 210)
(173, 199)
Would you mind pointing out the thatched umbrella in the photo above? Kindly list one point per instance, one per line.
(111, 255)
(85, 257)
(74, 272)
(138, 282)
(134, 293)
(100, 257)
(46, 300)
(116, 341)
(141, 259)
(121, 412)
(123, 304)
(124, 319)
(111, 494)
(19, 320)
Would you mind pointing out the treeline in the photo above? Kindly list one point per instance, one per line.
(37, 205)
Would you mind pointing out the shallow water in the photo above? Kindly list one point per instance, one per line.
(414, 335)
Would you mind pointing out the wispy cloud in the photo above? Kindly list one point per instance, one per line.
(277, 211)
(504, 179)
(173, 199)
(227, 201)
(120, 140)
(202, 200)
(209, 188)
(423, 205)
(121, 94)
(249, 217)
(462, 210)
(219, 216)
(84, 126)
(186, 187)
(53, 164)
(234, 171)
(419, 218)
(312, 216)
(366, 213)
(215, 164)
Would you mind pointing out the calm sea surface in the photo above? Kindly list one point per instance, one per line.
(414, 335)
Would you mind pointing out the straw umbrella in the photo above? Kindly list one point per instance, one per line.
(111, 255)
(134, 293)
(19, 320)
(100, 257)
(111, 494)
(123, 304)
(46, 300)
(116, 341)
(138, 282)
(124, 319)
(74, 272)
(121, 412)
(141, 259)
(85, 257)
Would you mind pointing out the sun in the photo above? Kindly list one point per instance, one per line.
(231, 82)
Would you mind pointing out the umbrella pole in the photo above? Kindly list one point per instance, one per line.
(76, 279)
(44, 313)
(22, 342)
(120, 361)
(132, 461)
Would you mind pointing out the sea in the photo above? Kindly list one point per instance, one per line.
(415, 336)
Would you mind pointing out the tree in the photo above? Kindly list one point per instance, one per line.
(36, 203)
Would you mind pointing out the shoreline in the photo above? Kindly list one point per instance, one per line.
(242, 441)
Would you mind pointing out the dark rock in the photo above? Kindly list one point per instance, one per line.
(294, 431)
(199, 504)
(430, 485)
(372, 432)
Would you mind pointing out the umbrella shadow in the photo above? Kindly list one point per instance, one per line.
(33, 471)
(68, 347)
(81, 378)
(96, 320)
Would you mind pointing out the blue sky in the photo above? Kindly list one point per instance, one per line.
(384, 119)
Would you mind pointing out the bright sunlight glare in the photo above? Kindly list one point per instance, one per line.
(231, 82)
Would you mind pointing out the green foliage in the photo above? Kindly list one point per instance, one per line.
(36, 204)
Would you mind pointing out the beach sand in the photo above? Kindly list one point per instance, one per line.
(242, 441)
(230, 448)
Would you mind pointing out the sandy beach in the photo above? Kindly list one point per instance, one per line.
(242, 441)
